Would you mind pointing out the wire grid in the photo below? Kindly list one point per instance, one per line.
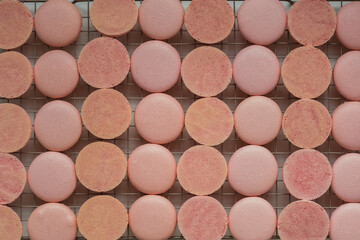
(278, 196)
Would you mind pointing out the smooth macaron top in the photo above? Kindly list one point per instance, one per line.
(348, 17)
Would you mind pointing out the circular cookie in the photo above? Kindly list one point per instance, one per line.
(344, 222)
(10, 224)
(348, 17)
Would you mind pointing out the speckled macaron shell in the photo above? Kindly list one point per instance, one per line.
(10, 224)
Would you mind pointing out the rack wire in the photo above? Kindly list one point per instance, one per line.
(278, 196)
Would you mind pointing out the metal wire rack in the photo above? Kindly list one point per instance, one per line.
(278, 196)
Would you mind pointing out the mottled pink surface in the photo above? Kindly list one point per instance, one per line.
(10, 224)
(347, 18)
(202, 218)
(345, 222)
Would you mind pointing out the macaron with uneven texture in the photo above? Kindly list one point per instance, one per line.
(348, 17)
(10, 224)
(345, 221)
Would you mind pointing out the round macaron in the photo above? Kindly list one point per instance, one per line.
(346, 125)
(306, 72)
(159, 118)
(256, 70)
(348, 17)
(303, 220)
(244, 167)
(312, 22)
(152, 217)
(307, 174)
(102, 217)
(56, 74)
(52, 221)
(101, 166)
(206, 71)
(57, 23)
(15, 127)
(16, 27)
(201, 170)
(252, 218)
(152, 169)
(58, 125)
(261, 21)
(202, 217)
(346, 179)
(113, 17)
(345, 221)
(306, 123)
(161, 19)
(209, 21)
(106, 113)
(209, 121)
(257, 120)
(16, 74)
(155, 66)
(104, 62)
(52, 176)
(10, 224)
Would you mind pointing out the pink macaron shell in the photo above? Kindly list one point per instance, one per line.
(53, 221)
(244, 167)
(261, 21)
(159, 118)
(52, 176)
(307, 174)
(256, 70)
(346, 179)
(345, 221)
(155, 66)
(161, 19)
(303, 220)
(10, 224)
(202, 218)
(348, 17)
(152, 169)
(57, 23)
(56, 74)
(58, 125)
(152, 217)
(252, 218)
(257, 120)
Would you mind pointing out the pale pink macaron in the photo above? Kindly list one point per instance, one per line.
(56, 74)
(347, 75)
(12, 178)
(10, 224)
(159, 118)
(201, 170)
(58, 125)
(57, 23)
(202, 217)
(303, 220)
(209, 21)
(307, 123)
(104, 62)
(17, 26)
(257, 120)
(152, 169)
(52, 221)
(52, 176)
(345, 221)
(261, 21)
(244, 167)
(206, 71)
(307, 174)
(161, 19)
(256, 70)
(113, 17)
(155, 66)
(209, 121)
(152, 217)
(312, 22)
(346, 125)
(16, 75)
(306, 72)
(252, 218)
(348, 17)
(15, 127)
(346, 179)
